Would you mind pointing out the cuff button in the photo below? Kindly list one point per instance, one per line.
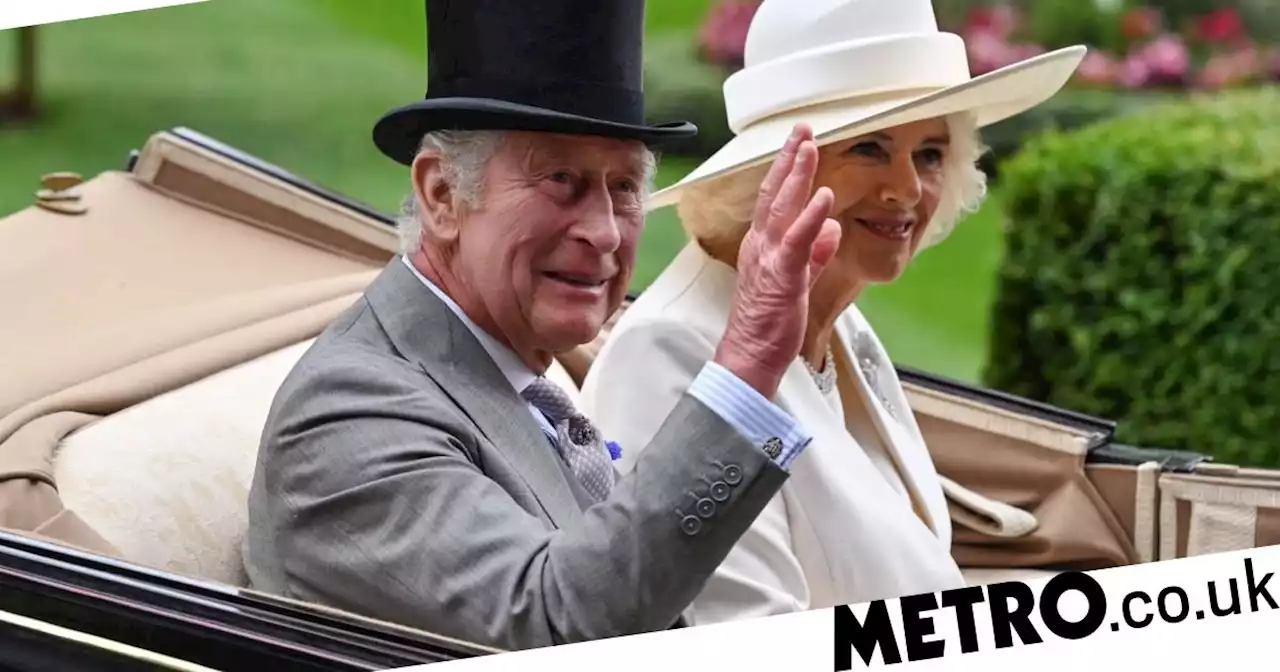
(733, 474)
(690, 525)
(705, 508)
(720, 491)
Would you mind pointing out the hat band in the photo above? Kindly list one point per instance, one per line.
(850, 69)
(596, 101)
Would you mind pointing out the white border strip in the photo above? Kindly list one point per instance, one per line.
(94, 641)
(22, 13)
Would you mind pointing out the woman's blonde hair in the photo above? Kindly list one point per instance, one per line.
(718, 212)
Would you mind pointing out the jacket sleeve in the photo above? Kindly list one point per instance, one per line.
(638, 379)
(380, 504)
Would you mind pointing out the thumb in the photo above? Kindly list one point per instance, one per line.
(824, 248)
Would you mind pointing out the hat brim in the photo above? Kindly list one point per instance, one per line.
(398, 133)
(992, 97)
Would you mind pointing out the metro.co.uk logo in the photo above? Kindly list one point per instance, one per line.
(1002, 615)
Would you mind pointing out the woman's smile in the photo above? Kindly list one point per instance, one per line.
(890, 228)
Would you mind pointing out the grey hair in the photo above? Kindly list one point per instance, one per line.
(464, 156)
(719, 211)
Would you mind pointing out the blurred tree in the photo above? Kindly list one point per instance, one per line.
(20, 102)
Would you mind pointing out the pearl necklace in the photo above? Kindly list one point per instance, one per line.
(826, 379)
(867, 362)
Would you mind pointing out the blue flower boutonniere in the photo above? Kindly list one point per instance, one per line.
(615, 451)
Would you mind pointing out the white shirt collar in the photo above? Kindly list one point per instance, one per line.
(515, 370)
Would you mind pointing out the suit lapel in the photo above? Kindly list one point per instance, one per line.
(427, 332)
(901, 439)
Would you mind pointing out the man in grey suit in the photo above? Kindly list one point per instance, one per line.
(417, 467)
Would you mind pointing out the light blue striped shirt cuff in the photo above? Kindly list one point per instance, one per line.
(748, 411)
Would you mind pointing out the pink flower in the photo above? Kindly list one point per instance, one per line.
(1216, 74)
(1135, 73)
(1223, 25)
(1099, 68)
(1022, 52)
(999, 20)
(1248, 59)
(723, 37)
(1227, 69)
(988, 52)
(1271, 65)
(1166, 59)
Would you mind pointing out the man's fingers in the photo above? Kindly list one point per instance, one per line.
(824, 248)
(782, 167)
(798, 239)
(790, 201)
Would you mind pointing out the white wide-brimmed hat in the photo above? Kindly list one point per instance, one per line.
(850, 67)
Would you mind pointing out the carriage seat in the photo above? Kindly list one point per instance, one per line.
(166, 481)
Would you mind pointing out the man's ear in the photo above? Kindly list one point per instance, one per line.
(436, 197)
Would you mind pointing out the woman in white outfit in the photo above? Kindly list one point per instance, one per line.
(863, 515)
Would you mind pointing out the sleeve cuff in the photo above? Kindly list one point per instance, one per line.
(748, 411)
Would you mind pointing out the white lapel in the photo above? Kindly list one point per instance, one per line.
(804, 401)
(902, 436)
(839, 489)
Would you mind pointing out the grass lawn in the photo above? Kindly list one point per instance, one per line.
(300, 83)
(401, 22)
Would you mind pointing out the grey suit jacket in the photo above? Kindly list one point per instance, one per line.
(400, 476)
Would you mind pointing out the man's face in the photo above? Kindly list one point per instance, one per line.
(548, 256)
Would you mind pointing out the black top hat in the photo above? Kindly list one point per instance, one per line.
(560, 66)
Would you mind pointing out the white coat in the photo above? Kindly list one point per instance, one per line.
(863, 515)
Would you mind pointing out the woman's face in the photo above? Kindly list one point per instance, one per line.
(887, 185)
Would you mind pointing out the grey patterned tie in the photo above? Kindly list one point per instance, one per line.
(579, 443)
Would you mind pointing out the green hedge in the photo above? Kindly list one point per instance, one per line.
(1067, 111)
(680, 86)
(1142, 275)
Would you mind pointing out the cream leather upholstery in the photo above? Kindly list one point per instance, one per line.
(166, 481)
